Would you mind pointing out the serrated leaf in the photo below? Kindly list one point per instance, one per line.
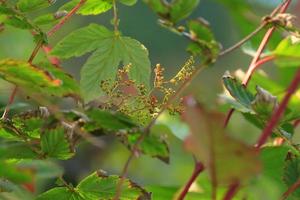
(97, 186)
(180, 9)
(90, 7)
(31, 5)
(238, 91)
(226, 159)
(100, 186)
(152, 145)
(106, 120)
(33, 79)
(111, 50)
(292, 174)
(128, 2)
(16, 150)
(287, 53)
(158, 6)
(54, 144)
(61, 193)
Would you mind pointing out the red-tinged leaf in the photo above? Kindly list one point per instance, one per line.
(226, 159)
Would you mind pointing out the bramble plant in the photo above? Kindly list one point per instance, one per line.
(120, 94)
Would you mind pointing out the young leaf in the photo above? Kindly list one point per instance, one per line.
(226, 159)
(90, 7)
(104, 62)
(287, 53)
(292, 173)
(55, 144)
(180, 9)
(160, 7)
(98, 185)
(62, 193)
(128, 2)
(31, 5)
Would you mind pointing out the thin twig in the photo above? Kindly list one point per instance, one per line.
(37, 48)
(282, 8)
(115, 13)
(279, 111)
(199, 167)
(291, 189)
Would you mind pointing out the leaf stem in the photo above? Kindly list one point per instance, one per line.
(199, 167)
(291, 189)
(36, 50)
(116, 19)
(282, 8)
(279, 111)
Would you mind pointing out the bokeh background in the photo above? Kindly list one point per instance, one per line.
(230, 20)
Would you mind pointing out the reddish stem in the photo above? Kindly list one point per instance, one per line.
(279, 111)
(290, 190)
(66, 18)
(258, 53)
(10, 101)
(199, 167)
(231, 191)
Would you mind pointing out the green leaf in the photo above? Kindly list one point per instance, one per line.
(45, 19)
(98, 185)
(108, 121)
(273, 160)
(152, 145)
(33, 79)
(128, 2)
(90, 7)
(31, 5)
(158, 6)
(287, 53)
(10, 172)
(292, 174)
(226, 159)
(54, 144)
(181, 9)
(61, 193)
(16, 150)
(238, 91)
(111, 50)
(82, 41)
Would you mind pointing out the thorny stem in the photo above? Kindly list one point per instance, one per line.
(36, 50)
(291, 189)
(282, 8)
(146, 131)
(199, 167)
(279, 111)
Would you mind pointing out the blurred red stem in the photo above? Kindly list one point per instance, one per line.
(231, 191)
(199, 167)
(279, 111)
(290, 190)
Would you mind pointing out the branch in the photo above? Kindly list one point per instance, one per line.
(231, 191)
(279, 111)
(199, 167)
(282, 8)
(115, 13)
(37, 48)
(290, 190)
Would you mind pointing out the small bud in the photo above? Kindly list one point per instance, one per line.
(60, 14)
